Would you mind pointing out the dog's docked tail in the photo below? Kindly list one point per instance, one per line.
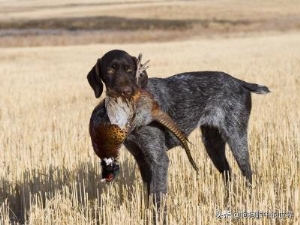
(256, 88)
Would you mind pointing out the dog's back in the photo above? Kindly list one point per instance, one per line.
(198, 98)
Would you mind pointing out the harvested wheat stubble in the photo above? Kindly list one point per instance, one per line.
(49, 173)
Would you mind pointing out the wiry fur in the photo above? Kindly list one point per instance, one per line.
(216, 103)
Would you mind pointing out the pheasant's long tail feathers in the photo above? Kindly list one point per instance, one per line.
(167, 122)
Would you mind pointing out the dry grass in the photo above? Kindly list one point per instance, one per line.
(49, 173)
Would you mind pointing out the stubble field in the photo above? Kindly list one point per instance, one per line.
(49, 173)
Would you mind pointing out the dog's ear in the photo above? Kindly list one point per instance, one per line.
(94, 79)
(142, 78)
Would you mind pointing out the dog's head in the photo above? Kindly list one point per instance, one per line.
(117, 70)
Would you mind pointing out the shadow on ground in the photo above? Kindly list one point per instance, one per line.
(81, 182)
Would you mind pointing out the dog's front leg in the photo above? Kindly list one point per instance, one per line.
(158, 184)
(147, 145)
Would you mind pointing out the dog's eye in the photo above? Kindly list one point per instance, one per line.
(128, 69)
(110, 70)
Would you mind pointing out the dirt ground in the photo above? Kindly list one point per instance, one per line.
(67, 23)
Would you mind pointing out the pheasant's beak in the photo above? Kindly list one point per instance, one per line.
(110, 169)
(109, 178)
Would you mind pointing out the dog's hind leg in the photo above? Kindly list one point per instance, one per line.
(215, 148)
(238, 144)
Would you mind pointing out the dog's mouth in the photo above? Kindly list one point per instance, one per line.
(124, 92)
(110, 169)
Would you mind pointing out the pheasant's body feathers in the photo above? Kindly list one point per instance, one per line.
(126, 115)
(107, 139)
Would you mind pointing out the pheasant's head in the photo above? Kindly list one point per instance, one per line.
(110, 169)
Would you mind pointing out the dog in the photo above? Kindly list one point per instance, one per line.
(214, 102)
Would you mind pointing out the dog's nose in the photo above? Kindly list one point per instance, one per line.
(126, 91)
